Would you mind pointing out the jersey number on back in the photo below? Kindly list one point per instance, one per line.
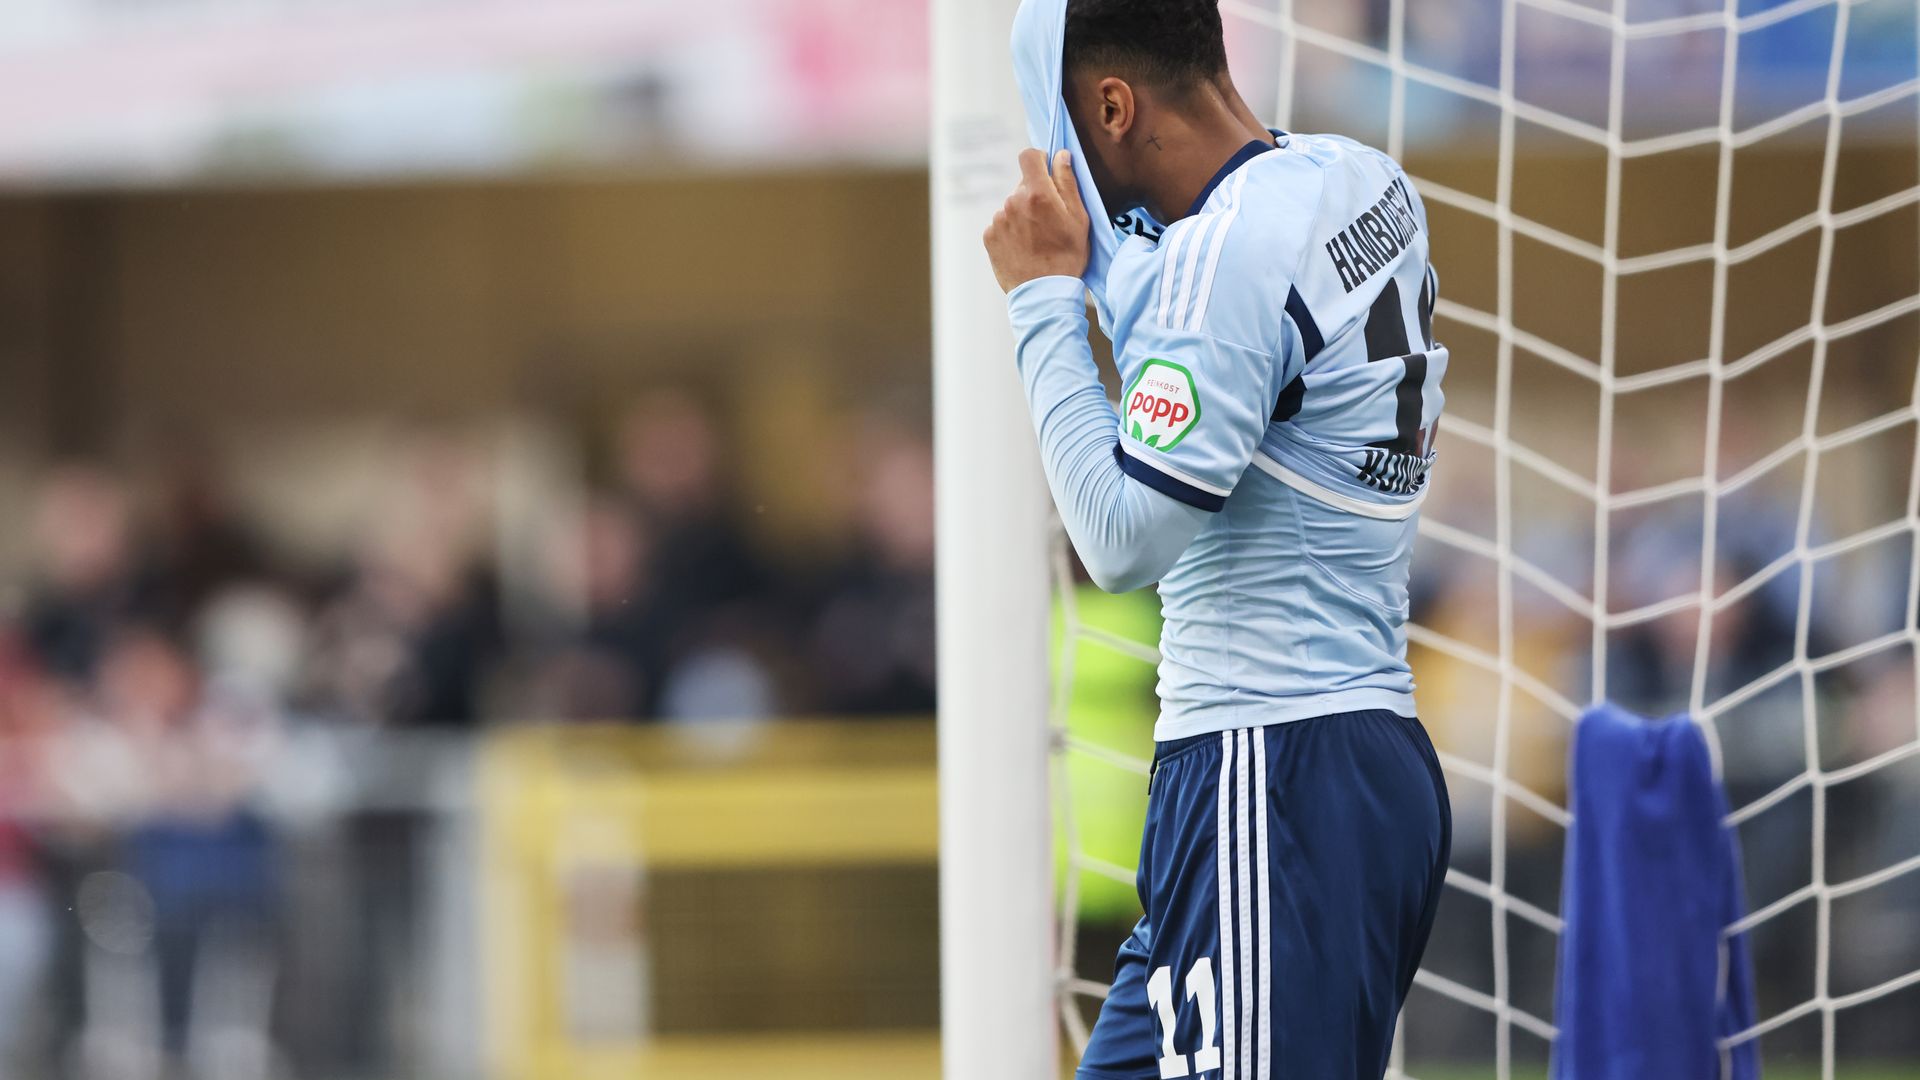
(1387, 340)
(1398, 465)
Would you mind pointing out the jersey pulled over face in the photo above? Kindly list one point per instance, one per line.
(1277, 354)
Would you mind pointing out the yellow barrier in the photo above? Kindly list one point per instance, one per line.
(574, 818)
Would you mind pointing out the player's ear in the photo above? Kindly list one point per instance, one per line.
(1117, 107)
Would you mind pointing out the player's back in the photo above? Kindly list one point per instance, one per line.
(1302, 277)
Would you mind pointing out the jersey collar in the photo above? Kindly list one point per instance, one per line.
(1240, 157)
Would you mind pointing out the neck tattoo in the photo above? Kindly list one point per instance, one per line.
(1154, 141)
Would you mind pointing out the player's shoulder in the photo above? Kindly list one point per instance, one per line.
(1281, 195)
(1223, 269)
(1352, 174)
(1327, 150)
(1369, 218)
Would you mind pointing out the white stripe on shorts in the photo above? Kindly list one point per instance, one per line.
(1264, 1060)
(1228, 972)
(1242, 856)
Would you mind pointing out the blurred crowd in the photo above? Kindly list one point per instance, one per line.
(163, 652)
(173, 903)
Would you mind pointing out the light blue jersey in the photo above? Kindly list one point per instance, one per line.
(1277, 354)
(1281, 390)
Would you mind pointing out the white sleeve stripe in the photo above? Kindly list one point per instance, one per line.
(1183, 296)
(1218, 244)
(1150, 460)
(1172, 240)
(1191, 257)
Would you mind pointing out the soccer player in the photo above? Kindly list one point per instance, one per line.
(1270, 305)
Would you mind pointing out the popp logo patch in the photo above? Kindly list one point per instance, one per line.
(1163, 404)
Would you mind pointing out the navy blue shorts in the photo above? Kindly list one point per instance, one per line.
(1290, 875)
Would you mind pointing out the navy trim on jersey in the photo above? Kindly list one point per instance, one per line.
(1310, 340)
(1292, 396)
(1253, 149)
(1167, 485)
(1427, 289)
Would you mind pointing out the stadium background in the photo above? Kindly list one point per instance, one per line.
(467, 607)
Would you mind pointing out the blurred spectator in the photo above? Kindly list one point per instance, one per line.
(402, 647)
(871, 642)
(253, 635)
(87, 575)
(597, 562)
(201, 542)
(409, 637)
(706, 593)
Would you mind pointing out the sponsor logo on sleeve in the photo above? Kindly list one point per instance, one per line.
(1163, 404)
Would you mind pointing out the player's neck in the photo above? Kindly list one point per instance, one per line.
(1207, 136)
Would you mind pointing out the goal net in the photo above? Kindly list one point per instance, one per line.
(1679, 251)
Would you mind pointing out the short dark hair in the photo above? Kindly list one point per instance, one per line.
(1176, 43)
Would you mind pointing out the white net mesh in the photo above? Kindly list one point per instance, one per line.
(1679, 248)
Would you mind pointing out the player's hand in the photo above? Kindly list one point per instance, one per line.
(1042, 231)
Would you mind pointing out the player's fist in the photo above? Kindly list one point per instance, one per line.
(1042, 230)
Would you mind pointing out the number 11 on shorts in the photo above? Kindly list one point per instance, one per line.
(1173, 1064)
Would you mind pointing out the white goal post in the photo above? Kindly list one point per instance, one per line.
(997, 1008)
